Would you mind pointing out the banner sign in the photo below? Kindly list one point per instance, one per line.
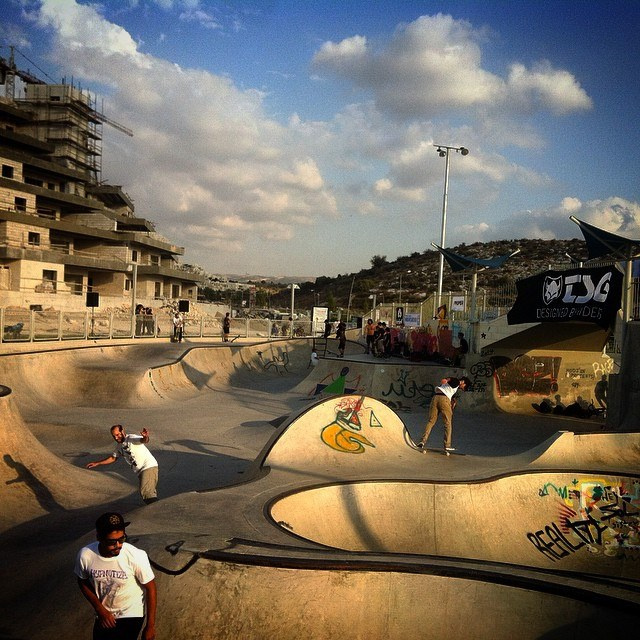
(585, 295)
(411, 319)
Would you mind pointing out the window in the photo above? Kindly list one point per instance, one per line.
(49, 280)
(175, 290)
(134, 256)
(157, 289)
(154, 259)
(20, 204)
(127, 284)
(34, 239)
(7, 171)
(5, 278)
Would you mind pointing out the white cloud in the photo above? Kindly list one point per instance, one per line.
(545, 87)
(203, 18)
(613, 214)
(435, 64)
(221, 177)
(203, 150)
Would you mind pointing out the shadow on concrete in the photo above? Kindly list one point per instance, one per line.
(43, 496)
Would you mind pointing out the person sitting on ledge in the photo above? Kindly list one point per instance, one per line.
(577, 409)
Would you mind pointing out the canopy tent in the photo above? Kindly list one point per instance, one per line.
(601, 243)
(460, 263)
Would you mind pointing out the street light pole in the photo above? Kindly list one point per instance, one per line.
(443, 152)
(134, 284)
(293, 293)
(400, 292)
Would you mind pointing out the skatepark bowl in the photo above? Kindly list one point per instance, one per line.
(338, 526)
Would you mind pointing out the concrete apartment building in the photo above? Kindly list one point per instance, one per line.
(63, 232)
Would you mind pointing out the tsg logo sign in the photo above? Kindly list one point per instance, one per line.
(552, 289)
(578, 288)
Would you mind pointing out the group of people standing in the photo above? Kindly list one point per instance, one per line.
(415, 344)
(144, 320)
(384, 342)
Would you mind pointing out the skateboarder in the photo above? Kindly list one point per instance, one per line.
(443, 403)
(132, 448)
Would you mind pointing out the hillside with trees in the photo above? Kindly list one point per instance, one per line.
(414, 277)
(419, 273)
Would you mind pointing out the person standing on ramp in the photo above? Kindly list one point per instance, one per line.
(133, 449)
(443, 404)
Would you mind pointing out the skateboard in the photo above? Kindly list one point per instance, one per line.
(440, 451)
(444, 452)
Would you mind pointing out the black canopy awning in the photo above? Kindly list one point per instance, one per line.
(602, 243)
(460, 263)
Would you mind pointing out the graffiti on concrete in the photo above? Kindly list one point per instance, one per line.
(480, 372)
(333, 384)
(526, 374)
(602, 367)
(405, 387)
(601, 515)
(343, 433)
(277, 362)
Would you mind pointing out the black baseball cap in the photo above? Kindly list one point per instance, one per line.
(109, 522)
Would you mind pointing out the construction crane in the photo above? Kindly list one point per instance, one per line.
(9, 71)
(114, 124)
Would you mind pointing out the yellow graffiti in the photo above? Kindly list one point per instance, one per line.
(341, 439)
(603, 368)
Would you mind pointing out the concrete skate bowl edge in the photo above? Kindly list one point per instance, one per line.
(204, 367)
(570, 522)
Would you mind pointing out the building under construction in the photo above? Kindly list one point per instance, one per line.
(63, 231)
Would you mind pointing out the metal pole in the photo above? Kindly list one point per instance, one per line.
(293, 289)
(444, 223)
(628, 297)
(350, 296)
(134, 282)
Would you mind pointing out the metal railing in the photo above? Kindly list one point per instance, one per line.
(490, 304)
(20, 325)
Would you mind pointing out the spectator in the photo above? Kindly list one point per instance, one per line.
(117, 580)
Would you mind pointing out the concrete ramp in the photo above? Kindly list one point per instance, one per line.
(619, 451)
(33, 481)
(565, 521)
(201, 368)
(342, 434)
(402, 385)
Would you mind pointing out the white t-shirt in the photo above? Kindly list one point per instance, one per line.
(448, 390)
(117, 580)
(135, 453)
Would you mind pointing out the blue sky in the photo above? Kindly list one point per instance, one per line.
(296, 138)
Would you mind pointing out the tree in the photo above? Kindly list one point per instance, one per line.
(378, 261)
